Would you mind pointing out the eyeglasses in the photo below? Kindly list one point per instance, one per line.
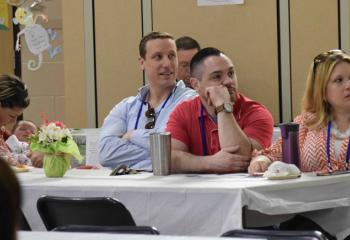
(123, 170)
(150, 114)
(323, 56)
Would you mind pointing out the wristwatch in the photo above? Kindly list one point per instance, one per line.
(226, 107)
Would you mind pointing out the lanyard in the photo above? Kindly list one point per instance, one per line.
(203, 135)
(328, 149)
(144, 103)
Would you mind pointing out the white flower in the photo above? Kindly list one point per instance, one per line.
(52, 133)
(42, 136)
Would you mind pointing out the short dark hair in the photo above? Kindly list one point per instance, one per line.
(10, 201)
(187, 43)
(201, 55)
(151, 36)
(13, 92)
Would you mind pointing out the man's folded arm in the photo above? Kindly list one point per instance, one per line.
(183, 161)
(115, 151)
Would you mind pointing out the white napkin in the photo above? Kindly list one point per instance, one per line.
(281, 169)
(19, 150)
(15, 145)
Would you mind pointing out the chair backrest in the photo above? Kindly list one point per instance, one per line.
(24, 225)
(108, 229)
(275, 234)
(101, 211)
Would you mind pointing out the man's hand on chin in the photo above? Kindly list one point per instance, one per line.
(217, 95)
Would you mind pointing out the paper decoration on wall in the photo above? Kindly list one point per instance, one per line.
(35, 3)
(16, 2)
(218, 2)
(36, 36)
(4, 15)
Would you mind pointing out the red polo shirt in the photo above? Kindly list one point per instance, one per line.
(184, 124)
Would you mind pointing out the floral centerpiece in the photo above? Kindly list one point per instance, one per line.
(56, 142)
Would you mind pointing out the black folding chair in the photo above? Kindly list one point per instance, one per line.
(100, 211)
(24, 225)
(108, 229)
(275, 234)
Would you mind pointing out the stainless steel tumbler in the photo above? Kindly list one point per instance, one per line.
(160, 143)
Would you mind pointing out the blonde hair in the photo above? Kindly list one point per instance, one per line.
(314, 99)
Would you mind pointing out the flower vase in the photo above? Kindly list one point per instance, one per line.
(56, 164)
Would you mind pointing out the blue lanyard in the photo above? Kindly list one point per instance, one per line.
(328, 149)
(144, 103)
(203, 135)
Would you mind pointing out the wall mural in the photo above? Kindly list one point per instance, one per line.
(35, 35)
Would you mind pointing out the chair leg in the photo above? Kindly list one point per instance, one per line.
(302, 223)
(24, 225)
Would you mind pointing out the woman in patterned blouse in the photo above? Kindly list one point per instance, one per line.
(13, 100)
(324, 124)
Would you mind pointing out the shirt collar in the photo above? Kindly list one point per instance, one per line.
(143, 91)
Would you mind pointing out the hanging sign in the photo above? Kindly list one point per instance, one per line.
(218, 2)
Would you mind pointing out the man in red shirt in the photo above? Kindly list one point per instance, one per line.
(216, 131)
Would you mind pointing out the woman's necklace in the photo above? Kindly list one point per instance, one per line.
(330, 169)
(337, 134)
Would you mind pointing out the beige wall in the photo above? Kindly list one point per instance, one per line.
(74, 64)
(118, 32)
(6, 51)
(46, 85)
(246, 33)
(347, 28)
(313, 30)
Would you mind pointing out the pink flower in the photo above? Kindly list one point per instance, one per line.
(59, 124)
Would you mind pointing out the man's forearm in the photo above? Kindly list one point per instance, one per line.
(118, 151)
(230, 134)
(186, 162)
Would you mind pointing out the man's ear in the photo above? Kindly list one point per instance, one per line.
(142, 63)
(194, 83)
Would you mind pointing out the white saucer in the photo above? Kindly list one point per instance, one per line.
(283, 177)
(21, 169)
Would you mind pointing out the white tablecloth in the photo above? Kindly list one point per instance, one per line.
(104, 236)
(202, 205)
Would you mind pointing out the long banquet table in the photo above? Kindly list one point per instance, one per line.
(198, 204)
(105, 236)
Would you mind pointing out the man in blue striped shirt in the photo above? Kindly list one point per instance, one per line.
(124, 137)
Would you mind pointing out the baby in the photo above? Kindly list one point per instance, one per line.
(18, 141)
(23, 129)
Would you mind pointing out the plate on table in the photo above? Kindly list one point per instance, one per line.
(22, 168)
(280, 177)
(258, 174)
